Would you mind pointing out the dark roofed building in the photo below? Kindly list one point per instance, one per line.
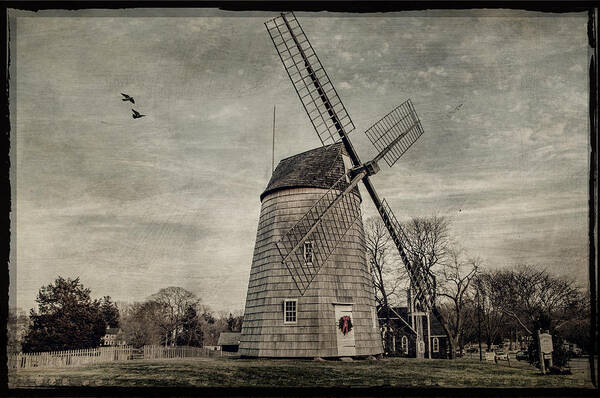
(229, 341)
(403, 340)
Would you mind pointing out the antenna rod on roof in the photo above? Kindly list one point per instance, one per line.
(273, 157)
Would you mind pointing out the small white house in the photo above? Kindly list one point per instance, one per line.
(112, 337)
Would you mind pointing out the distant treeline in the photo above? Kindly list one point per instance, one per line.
(67, 318)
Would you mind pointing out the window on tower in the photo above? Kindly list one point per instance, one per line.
(435, 342)
(308, 253)
(290, 311)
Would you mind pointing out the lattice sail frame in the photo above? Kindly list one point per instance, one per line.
(333, 224)
(401, 124)
(317, 94)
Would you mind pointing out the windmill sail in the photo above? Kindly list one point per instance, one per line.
(396, 132)
(312, 84)
(324, 226)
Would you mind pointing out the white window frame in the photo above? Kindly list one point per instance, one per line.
(420, 346)
(312, 252)
(285, 311)
(404, 344)
(435, 344)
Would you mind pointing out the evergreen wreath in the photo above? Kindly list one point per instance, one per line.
(345, 324)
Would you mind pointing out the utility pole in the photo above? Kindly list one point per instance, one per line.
(479, 325)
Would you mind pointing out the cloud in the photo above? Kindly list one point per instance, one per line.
(347, 56)
(432, 70)
(227, 112)
(576, 68)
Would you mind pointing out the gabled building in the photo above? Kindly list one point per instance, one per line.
(403, 339)
(229, 341)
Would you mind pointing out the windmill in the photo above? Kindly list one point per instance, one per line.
(314, 248)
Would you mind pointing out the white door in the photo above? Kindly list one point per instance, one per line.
(345, 336)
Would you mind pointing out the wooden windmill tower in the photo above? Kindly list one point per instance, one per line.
(310, 292)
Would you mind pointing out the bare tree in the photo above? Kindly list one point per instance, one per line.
(426, 242)
(142, 323)
(383, 259)
(530, 295)
(490, 307)
(174, 302)
(454, 291)
(386, 272)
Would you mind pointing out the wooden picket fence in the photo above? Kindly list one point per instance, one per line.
(160, 352)
(61, 359)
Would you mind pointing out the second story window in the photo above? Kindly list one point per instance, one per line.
(308, 253)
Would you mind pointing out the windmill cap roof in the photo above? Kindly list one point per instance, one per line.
(317, 168)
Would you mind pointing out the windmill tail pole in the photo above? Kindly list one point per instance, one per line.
(273, 152)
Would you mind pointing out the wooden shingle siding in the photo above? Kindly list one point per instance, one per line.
(343, 279)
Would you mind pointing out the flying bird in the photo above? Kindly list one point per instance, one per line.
(128, 98)
(453, 111)
(136, 114)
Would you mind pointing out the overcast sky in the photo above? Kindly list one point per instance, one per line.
(172, 199)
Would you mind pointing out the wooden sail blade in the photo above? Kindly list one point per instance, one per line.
(310, 80)
(322, 227)
(422, 284)
(393, 134)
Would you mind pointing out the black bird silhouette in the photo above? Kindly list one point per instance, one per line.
(136, 114)
(128, 98)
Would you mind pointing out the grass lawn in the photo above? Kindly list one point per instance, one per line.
(232, 372)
